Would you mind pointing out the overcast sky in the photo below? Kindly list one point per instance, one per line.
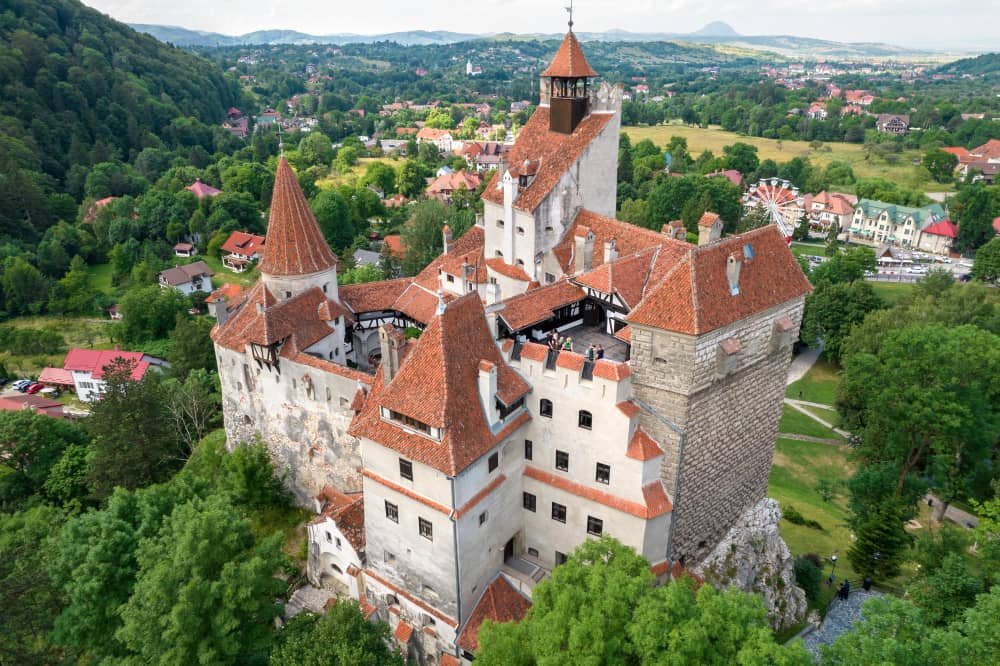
(932, 24)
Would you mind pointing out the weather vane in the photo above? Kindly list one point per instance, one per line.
(570, 10)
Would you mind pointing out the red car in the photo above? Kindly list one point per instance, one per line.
(34, 388)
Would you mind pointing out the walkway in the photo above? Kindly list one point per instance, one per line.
(840, 617)
(800, 364)
(800, 406)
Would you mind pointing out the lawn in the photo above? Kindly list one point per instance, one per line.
(355, 173)
(100, 279)
(892, 292)
(794, 422)
(223, 275)
(814, 249)
(713, 138)
(828, 415)
(819, 384)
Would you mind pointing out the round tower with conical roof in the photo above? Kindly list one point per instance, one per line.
(296, 255)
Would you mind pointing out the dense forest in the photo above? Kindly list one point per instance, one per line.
(79, 89)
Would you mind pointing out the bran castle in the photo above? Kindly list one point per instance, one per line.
(452, 471)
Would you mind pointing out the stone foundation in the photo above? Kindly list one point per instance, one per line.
(753, 558)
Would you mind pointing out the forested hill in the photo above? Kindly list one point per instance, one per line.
(78, 88)
(986, 65)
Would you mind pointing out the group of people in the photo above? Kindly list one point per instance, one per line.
(559, 343)
(844, 590)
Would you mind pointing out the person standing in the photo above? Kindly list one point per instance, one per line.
(600, 351)
(591, 352)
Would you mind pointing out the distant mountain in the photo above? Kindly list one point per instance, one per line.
(714, 34)
(716, 29)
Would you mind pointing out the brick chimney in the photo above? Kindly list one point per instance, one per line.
(584, 250)
(709, 228)
(610, 250)
(488, 390)
(390, 342)
(446, 235)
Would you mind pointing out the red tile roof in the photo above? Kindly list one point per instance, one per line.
(57, 376)
(708, 219)
(202, 190)
(402, 490)
(555, 153)
(694, 296)
(348, 512)
(95, 361)
(480, 496)
(373, 296)
(36, 403)
(403, 632)
(539, 304)
(296, 245)
(432, 134)
(500, 603)
(449, 182)
(229, 293)
(417, 602)
(395, 245)
(569, 61)
(614, 371)
(467, 250)
(503, 268)
(629, 239)
(990, 149)
(642, 446)
(448, 660)
(628, 408)
(943, 228)
(437, 384)
(626, 276)
(240, 242)
(656, 501)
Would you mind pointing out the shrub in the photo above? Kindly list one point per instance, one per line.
(808, 576)
(792, 515)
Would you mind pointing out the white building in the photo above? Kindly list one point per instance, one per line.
(187, 278)
(89, 369)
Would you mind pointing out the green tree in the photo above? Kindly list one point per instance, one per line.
(23, 286)
(359, 274)
(30, 445)
(421, 235)
(134, 441)
(941, 164)
(986, 266)
(742, 157)
(849, 266)
(947, 590)
(194, 404)
(410, 179)
(975, 207)
(190, 346)
(204, 590)
(149, 313)
(832, 310)
(880, 541)
(342, 637)
(381, 175)
(334, 217)
(315, 149)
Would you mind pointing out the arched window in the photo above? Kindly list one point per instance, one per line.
(585, 419)
(545, 407)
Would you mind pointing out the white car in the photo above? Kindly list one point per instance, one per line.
(917, 270)
(20, 384)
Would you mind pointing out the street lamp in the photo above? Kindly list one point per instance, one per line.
(833, 558)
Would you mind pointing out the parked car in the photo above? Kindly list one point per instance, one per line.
(4, 380)
(50, 392)
(21, 384)
(917, 270)
(34, 388)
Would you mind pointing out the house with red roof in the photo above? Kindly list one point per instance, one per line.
(203, 190)
(938, 237)
(37, 403)
(241, 250)
(443, 139)
(530, 389)
(828, 209)
(446, 184)
(89, 367)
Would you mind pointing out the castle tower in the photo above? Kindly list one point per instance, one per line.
(296, 255)
(565, 86)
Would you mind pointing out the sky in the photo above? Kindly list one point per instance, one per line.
(926, 24)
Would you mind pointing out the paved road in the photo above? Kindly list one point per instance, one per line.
(840, 617)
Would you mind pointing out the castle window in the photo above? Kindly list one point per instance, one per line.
(520, 231)
(558, 512)
(406, 469)
(545, 408)
(520, 262)
(528, 449)
(499, 224)
(426, 529)
(560, 558)
(562, 461)
(494, 462)
(449, 278)
(595, 526)
(549, 278)
(585, 419)
(533, 552)
(603, 473)
(499, 254)
(326, 286)
(329, 537)
(337, 540)
(389, 557)
(391, 511)
(528, 501)
(288, 294)
(482, 518)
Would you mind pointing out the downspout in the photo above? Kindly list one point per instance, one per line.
(458, 577)
(677, 475)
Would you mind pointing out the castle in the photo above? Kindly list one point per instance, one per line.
(450, 472)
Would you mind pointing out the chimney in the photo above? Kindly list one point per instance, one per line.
(733, 266)
(610, 250)
(588, 251)
(488, 390)
(388, 340)
(446, 235)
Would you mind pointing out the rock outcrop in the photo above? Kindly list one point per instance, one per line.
(753, 558)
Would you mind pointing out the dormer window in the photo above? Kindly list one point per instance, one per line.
(409, 422)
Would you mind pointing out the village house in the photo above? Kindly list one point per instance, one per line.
(89, 368)
(443, 139)
(446, 184)
(981, 163)
(185, 250)
(241, 250)
(38, 404)
(224, 300)
(892, 123)
(203, 190)
(830, 209)
(878, 223)
(187, 278)
(476, 455)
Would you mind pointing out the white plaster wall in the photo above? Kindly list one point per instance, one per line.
(295, 285)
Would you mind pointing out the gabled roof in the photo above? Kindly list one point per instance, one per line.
(373, 296)
(348, 512)
(202, 190)
(896, 213)
(449, 182)
(569, 61)
(537, 305)
(296, 245)
(626, 276)
(642, 446)
(230, 294)
(240, 242)
(694, 296)
(185, 273)
(500, 603)
(943, 228)
(554, 152)
(437, 384)
(95, 361)
(990, 149)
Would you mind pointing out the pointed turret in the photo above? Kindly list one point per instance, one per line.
(566, 86)
(296, 255)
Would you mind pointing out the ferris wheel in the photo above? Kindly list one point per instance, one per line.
(779, 200)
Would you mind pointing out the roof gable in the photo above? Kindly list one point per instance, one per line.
(500, 603)
(569, 61)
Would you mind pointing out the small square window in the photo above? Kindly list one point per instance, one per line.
(483, 517)
(549, 278)
(449, 278)
(406, 469)
(595, 526)
(560, 558)
(562, 461)
(494, 461)
(545, 408)
(426, 529)
(558, 512)
(528, 500)
(585, 419)
(528, 449)
(603, 473)
(391, 511)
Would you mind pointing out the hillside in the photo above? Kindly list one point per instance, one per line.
(986, 66)
(80, 88)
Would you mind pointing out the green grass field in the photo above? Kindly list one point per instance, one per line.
(86, 332)
(892, 292)
(223, 275)
(355, 173)
(714, 138)
(819, 384)
(100, 279)
(795, 422)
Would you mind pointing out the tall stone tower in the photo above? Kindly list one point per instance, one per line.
(710, 354)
